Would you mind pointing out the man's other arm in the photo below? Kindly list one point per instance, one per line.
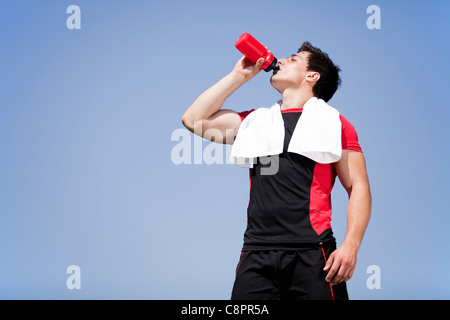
(351, 170)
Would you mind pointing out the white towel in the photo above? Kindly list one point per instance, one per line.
(317, 134)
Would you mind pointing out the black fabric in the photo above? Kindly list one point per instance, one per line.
(278, 210)
(286, 275)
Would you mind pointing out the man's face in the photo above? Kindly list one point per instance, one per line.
(292, 72)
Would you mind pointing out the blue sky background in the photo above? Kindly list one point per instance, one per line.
(86, 118)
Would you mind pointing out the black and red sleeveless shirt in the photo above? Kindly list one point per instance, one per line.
(292, 208)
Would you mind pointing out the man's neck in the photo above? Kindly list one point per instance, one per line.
(294, 99)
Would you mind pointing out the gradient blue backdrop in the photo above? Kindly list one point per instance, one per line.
(86, 118)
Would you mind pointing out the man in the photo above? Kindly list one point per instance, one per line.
(289, 250)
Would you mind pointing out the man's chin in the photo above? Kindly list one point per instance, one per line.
(275, 83)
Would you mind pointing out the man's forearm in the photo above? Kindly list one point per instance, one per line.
(210, 101)
(342, 261)
(358, 214)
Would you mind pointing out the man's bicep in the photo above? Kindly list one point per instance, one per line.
(221, 127)
(351, 168)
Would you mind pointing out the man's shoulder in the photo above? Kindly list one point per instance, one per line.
(349, 136)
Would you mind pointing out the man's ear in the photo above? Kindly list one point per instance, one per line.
(312, 76)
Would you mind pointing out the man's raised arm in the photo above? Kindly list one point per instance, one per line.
(205, 117)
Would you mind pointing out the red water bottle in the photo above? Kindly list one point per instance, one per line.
(253, 50)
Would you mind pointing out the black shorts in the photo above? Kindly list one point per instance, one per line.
(286, 274)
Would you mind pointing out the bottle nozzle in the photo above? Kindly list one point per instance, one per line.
(272, 65)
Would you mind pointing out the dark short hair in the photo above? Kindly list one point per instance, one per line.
(320, 62)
